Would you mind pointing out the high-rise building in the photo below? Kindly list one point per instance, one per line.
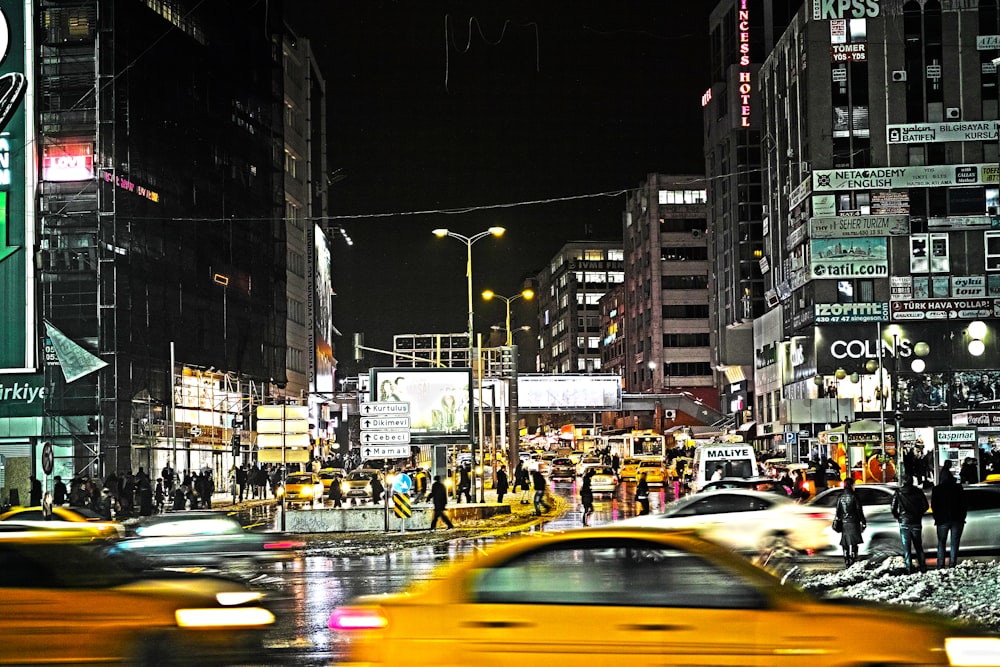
(666, 311)
(568, 295)
(742, 34)
(150, 259)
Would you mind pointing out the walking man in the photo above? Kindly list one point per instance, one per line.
(540, 486)
(502, 484)
(587, 496)
(642, 494)
(908, 506)
(440, 498)
(948, 501)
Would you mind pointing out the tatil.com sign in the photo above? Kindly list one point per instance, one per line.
(848, 258)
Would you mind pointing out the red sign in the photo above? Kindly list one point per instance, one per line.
(68, 162)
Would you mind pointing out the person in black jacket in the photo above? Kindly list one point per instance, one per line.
(908, 505)
(948, 503)
(587, 496)
(851, 517)
(642, 494)
(502, 484)
(538, 479)
(440, 498)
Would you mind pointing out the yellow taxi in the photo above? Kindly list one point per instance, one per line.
(630, 596)
(629, 469)
(656, 474)
(64, 604)
(327, 475)
(77, 519)
(303, 487)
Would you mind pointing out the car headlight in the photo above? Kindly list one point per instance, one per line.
(279, 491)
(972, 651)
(307, 491)
(234, 598)
(345, 487)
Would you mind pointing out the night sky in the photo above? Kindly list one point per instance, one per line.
(471, 114)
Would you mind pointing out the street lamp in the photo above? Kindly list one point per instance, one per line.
(526, 294)
(468, 241)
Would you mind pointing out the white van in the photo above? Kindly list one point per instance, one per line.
(736, 460)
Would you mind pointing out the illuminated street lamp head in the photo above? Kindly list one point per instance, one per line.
(497, 231)
(440, 233)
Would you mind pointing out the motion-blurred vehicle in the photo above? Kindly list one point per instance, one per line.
(746, 521)
(303, 488)
(868, 495)
(631, 596)
(875, 499)
(750, 483)
(64, 604)
(79, 515)
(327, 475)
(981, 534)
(603, 480)
(358, 484)
(629, 469)
(48, 531)
(201, 538)
(563, 468)
(656, 474)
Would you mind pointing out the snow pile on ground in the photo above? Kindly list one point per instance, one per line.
(969, 592)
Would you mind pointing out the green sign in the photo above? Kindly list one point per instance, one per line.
(16, 310)
(22, 395)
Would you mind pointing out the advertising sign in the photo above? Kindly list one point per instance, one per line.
(944, 309)
(550, 393)
(16, 214)
(889, 202)
(924, 176)
(440, 400)
(918, 133)
(68, 162)
(854, 52)
(848, 258)
(834, 227)
(987, 42)
(823, 10)
(826, 313)
(824, 205)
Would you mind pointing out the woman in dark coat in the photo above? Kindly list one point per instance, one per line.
(502, 484)
(852, 519)
(587, 496)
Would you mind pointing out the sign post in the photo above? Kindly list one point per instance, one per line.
(284, 428)
(385, 434)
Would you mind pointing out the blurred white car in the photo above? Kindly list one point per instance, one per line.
(586, 463)
(875, 500)
(747, 521)
(603, 480)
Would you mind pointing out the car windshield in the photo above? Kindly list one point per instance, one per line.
(562, 462)
(300, 478)
(359, 475)
(602, 471)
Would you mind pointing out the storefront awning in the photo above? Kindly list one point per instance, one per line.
(746, 426)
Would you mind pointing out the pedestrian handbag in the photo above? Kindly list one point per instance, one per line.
(838, 524)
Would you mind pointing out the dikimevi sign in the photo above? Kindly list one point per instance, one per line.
(17, 227)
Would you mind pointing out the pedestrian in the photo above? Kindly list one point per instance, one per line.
(464, 484)
(502, 484)
(233, 485)
(36, 492)
(587, 496)
(440, 498)
(908, 505)
(521, 478)
(242, 477)
(540, 487)
(377, 488)
(336, 492)
(850, 517)
(59, 492)
(800, 492)
(159, 495)
(642, 494)
(948, 503)
(47, 506)
(968, 473)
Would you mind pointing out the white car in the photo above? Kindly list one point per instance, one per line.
(603, 480)
(747, 521)
(874, 498)
(586, 463)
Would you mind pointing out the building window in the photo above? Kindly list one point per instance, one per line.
(296, 263)
(295, 359)
(993, 251)
(682, 196)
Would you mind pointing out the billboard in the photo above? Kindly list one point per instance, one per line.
(549, 393)
(440, 400)
(17, 345)
(859, 257)
(322, 314)
(890, 178)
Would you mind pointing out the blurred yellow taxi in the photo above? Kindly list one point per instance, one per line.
(603, 596)
(629, 469)
(303, 487)
(63, 604)
(327, 475)
(656, 474)
(83, 519)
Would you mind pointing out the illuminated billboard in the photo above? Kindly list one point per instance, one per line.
(440, 400)
(547, 393)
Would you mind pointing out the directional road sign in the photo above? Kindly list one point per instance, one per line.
(385, 437)
(384, 451)
(382, 423)
(402, 483)
(384, 408)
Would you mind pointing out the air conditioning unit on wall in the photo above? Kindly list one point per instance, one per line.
(899, 75)
(952, 113)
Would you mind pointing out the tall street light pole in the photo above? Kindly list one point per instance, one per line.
(526, 294)
(469, 241)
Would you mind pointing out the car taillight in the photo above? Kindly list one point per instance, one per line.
(357, 618)
(284, 545)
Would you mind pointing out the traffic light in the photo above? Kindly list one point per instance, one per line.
(236, 444)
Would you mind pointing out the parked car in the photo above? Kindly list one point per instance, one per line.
(746, 521)
(64, 604)
(203, 538)
(632, 596)
(358, 484)
(562, 468)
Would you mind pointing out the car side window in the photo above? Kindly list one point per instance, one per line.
(981, 499)
(612, 573)
(871, 496)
